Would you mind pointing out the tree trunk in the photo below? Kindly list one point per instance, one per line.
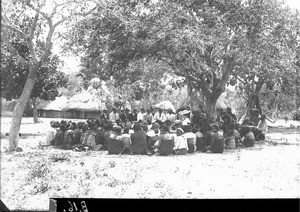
(19, 109)
(211, 109)
(35, 113)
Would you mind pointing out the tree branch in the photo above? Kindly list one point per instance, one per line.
(12, 48)
(15, 29)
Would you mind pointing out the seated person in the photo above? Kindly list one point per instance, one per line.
(115, 141)
(126, 142)
(166, 142)
(51, 132)
(89, 136)
(154, 141)
(208, 135)
(248, 137)
(199, 137)
(190, 138)
(139, 140)
(181, 146)
(230, 140)
(217, 143)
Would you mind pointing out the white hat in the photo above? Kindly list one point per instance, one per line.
(184, 112)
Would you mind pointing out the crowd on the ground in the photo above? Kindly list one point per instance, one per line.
(158, 131)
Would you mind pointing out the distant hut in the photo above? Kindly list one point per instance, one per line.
(84, 105)
(53, 109)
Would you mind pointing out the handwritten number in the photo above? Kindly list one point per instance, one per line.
(84, 207)
(70, 209)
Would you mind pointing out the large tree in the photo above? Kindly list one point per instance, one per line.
(43, 18)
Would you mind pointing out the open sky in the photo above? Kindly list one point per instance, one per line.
(71, 64)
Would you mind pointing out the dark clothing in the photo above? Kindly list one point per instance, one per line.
(114, 146)
(249, 140)
(132, 117)
(200, 143)
(77, 135)
(106, 137)
(208, 138)
(181, 151)
(139, 142)
(166, 147)
(59, 138)
(217, 145)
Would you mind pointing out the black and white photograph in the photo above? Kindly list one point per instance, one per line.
(148, 99)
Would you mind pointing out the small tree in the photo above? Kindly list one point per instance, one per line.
(14, 77)
(41, 24)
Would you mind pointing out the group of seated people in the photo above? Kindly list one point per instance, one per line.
(179, 137)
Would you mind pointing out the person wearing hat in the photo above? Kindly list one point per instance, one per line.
(181, 146)
(185, 117)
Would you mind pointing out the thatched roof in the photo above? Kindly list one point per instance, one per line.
(84, 101)
(58, 104)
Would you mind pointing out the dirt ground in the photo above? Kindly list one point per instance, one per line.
(29, 178)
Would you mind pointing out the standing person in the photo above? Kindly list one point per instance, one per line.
(138, 139)
(190, 138)
(141, 115)
(148, 117)
(159, 116)
(122, 116)
(166, 142)
(170, 116)
(181, 146)
(217, 144)
(185, 116)
(263, 125)
(133, 116)
(113, 116)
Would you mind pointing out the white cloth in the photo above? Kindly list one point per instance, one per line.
(186, 121)
(113, 117)
(141, 116)
(180, 143)
(51, 132)
(170, 117)
(159, 117)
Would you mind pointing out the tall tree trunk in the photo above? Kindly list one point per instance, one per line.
(20, 108)
(211, 108)
(35, 113)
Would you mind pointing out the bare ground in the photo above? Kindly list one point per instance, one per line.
(29, 178)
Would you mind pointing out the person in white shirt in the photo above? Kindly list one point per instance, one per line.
(186, 119)
(170, 116)
(113, 116)
(159, 117)
(190, 138)
(181, 146)
(141, 115)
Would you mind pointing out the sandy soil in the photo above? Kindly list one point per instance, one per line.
(29, 178)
